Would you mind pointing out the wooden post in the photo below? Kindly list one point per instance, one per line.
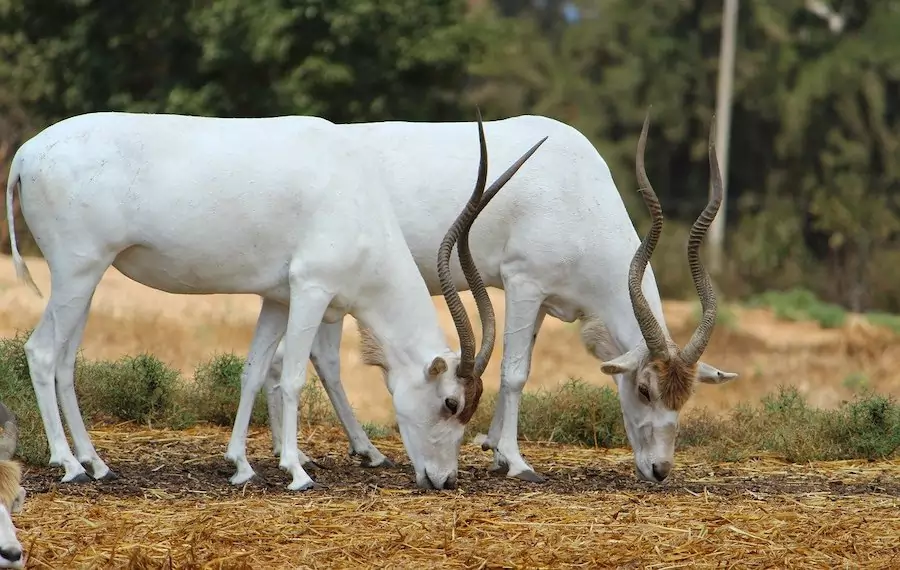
(723, 127)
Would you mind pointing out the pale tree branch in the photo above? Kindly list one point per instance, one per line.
(821, 9)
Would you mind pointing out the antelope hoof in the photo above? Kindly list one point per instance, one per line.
(80, 478)
(110, 476)
(367, 462)
(310, 465)
(530, 476)
(308, 486)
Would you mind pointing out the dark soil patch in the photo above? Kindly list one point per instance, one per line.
(195, 468)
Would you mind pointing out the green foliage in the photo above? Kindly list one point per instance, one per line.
(139, 389)
(857, 382)
(885, 320)
(17, 393)
(868, 427)
(815, 131)
(346, 60)
(374, 430)
(575, 413)
(800, 305)
(217, 391)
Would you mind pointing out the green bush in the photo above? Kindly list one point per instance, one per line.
(801, 305)
(17, 393)
(140, 389)
(374, 430)
(867, 427)
(574, 413)
(886, 320)
(217, 392)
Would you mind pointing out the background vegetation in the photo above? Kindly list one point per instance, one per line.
(146, 391)
(814, 173)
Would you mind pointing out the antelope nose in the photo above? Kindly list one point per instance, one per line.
(11, 554)
(661, 470)
(450, 483)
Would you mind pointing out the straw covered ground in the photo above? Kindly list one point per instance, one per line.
(173, 508)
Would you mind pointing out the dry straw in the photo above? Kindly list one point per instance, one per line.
(173, 508)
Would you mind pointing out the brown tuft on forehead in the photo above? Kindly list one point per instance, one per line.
(676, 381)
(473, 390)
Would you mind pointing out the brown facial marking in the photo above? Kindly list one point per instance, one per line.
(473, 388)
(676, 382)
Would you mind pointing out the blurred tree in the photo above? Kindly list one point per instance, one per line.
(346, 60)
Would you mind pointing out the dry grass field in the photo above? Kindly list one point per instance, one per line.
(173, 508)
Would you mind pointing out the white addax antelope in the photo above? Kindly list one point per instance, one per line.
(293, 209)
(559, 242)
(12, 495)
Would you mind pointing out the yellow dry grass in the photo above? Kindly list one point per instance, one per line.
(591, 513)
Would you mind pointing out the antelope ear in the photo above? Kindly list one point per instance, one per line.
(438, 367)
(628, 362)
(711, 375)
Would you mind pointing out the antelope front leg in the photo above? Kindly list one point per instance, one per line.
(523, 318)
(326, 358)
(308, 305)
(270, 325)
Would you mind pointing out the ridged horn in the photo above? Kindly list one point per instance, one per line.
(472, 365)
(697, 345)
(650, 329)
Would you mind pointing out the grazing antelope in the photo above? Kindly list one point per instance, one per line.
(293, 209)
(558, 242)
(12, 495)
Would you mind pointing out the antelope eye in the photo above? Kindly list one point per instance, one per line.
(452, 404)
(644, 391)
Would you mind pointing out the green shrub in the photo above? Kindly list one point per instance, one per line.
(575, 413)
(801, 305)
(315, 407)
(140, 388)
(866, 428)
(217, 392)
(17, 393)
(886, 320)
(374, 430)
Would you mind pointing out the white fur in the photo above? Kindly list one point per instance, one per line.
(293, 209)
(558, 240)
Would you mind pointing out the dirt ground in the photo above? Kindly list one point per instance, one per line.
(173, 508)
